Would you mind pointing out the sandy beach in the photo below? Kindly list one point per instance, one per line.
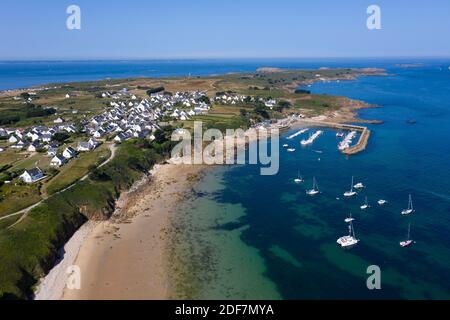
(123, 258)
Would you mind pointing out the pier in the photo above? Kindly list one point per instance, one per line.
(363, 139)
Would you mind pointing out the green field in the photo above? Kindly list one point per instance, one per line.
(76, 169)
(17, 197)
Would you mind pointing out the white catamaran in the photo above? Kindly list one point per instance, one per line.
(314, 190)
(410, 207)
(407, 242)
(299, 178)
(350, 240)
(350, 193)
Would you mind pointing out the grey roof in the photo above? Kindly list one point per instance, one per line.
(34, 172)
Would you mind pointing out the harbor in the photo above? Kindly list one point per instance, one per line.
(360, 145)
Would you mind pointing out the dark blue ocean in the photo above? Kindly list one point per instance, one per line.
(266, 238)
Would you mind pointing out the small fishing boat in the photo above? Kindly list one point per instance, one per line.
(382, 202)
(407, 242)
(350, 240)
(339, 134)
(349, 219)
(299, 178)
(285, 145)
(410, 208)
(315, 188)
(350, 193)
(291, 150)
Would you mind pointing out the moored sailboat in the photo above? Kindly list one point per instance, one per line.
(299, 178)
(410, 208)
(349, 219)
(350, 193)
(365, 205)
(315, 188)
(408, 241)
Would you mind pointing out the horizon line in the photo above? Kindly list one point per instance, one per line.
(218, 58)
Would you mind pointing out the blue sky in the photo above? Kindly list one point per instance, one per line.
(222, 29)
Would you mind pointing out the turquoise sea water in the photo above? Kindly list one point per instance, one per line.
(252, 236)
(267, 238)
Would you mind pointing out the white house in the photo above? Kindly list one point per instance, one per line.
(70, 129)
(52, 151)
(33, 147)
(58, 120)
(58, 161)
(93, 143)
(69, 153)
(46, 137)
(99, 133)
(32, 175)
(13, 139)
(123, 136)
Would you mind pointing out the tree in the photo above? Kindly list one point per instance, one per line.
(261, 111)
(282, 105)
(61, 136)
(204, 99)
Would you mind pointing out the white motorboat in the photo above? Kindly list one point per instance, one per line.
(285, 145)
(410, 207)
(365, 205)
(350, 240)
(314, 190)
(350, 193)
(382, 202)
(407, 242)
(291, 150)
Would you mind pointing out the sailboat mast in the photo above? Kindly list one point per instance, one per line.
(409, 231)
